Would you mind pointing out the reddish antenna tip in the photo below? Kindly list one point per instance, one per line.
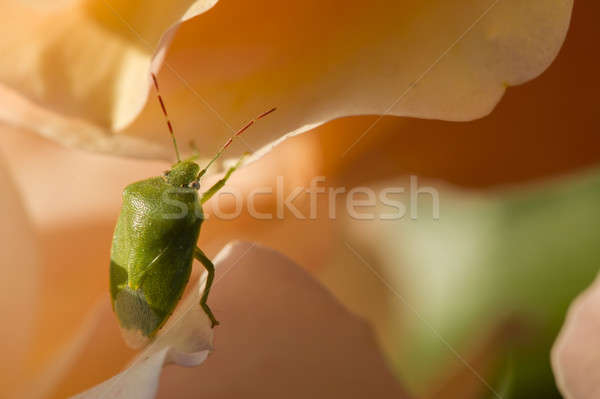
(230, 140)
(247, 125)
(266, 113)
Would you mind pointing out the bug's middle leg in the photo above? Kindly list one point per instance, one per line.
(210, 269)
(219, 185)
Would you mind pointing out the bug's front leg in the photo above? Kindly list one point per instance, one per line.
(219, 185)
(210, 269)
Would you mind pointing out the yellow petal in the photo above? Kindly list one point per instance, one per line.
(314, 61)
(79, 71)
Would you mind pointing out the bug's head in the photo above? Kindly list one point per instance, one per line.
(182, 173)
(187, 173)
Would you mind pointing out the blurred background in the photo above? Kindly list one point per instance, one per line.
(486, 286)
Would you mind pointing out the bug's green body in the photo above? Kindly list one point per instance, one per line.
(152, 252)
(154, 243)
(153, 248)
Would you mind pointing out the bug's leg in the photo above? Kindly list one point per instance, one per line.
(210, 269)
(219, 185)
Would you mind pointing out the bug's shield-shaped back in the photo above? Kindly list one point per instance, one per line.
(151, 256)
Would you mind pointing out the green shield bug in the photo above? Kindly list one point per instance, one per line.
(154, 243)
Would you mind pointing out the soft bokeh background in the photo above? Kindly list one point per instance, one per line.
(516, 241)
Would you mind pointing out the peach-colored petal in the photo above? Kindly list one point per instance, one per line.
(51, 373)
(186, 340)
(19, 281)
(315, 61)
(576, 352)
(275, 320)
(282, 335)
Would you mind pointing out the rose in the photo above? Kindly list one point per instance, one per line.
(438, 93)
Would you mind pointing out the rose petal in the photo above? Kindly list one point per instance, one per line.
(280, 333)
(576, 353)
(185, 340)
(81, 69)
(19, 281)
(314, 61)
(48, 375)
(317, 62)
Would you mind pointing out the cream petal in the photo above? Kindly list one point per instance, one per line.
(314, 61)
(19, 281)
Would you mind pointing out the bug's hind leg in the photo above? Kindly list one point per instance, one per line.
(219, 185)
(210, 269)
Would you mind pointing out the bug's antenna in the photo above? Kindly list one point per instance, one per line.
(230, 140)
(164, 110)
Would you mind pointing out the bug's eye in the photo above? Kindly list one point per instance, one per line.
(195, 185)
